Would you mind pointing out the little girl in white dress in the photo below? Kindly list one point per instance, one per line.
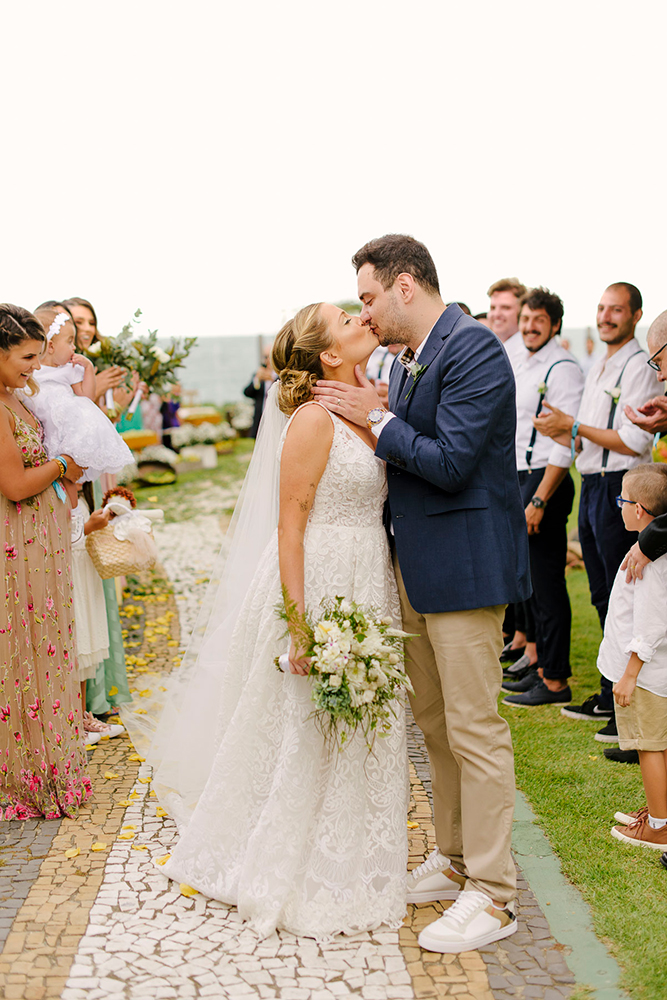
(73, 424)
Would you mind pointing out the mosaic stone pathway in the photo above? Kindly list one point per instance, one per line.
(107, 923)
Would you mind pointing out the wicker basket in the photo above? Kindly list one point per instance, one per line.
(114, 558)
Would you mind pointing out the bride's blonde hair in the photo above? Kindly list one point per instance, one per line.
(295, 356)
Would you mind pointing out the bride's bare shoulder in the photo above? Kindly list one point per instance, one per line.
(311, 423)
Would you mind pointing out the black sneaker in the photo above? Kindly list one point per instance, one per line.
(539, 694)
(609, 734)
(663, 860)
(525, 684)
(510, 655)
(622, 756)
(590, 709)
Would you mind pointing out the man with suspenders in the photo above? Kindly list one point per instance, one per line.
(545, 371)
(608, 444)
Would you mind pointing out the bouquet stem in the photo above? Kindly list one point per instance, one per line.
(109, 400)
(135, 402)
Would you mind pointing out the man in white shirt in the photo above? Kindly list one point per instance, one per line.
(609, 444)
(545, 371)
(503, 316)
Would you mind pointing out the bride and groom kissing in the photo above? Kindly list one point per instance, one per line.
(413, 509)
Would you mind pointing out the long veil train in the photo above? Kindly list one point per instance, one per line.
(178, 733)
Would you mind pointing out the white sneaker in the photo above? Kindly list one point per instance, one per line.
(115, 729)
(92, 738)
(470, 923)
(434, 879)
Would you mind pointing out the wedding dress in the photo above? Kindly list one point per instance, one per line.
(295, 834)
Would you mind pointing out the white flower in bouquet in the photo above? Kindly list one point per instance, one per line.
(161, 355)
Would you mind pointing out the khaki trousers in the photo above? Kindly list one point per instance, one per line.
(456, 674)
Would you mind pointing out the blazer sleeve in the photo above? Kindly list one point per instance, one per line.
(476, 395)
(653, 539)
(251, 392)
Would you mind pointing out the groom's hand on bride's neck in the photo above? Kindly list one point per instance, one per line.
(349, 401)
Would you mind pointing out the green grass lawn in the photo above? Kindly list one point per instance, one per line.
(574, 792)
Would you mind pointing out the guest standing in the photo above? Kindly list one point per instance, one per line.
(258, 388)
(42, 756)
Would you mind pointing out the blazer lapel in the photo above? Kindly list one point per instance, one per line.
(442, 329)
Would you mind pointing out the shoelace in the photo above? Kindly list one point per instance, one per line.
(464, 907)
(431, 864)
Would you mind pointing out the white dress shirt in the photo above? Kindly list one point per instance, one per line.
(514, 348)
(380, 363)
(639, 384)
(636, 623)
(564, 388)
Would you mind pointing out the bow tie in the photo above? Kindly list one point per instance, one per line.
(407, 357)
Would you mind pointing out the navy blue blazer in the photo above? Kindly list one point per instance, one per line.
(454, 497)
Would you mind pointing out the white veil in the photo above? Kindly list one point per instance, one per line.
(180, 744)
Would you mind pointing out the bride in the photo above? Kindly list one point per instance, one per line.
(296, 835)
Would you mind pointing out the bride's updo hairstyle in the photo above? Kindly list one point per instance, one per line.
(295, 357)
(17, 325)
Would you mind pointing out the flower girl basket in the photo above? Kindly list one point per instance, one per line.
(126, 545)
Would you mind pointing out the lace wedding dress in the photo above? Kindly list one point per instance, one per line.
(296, 835)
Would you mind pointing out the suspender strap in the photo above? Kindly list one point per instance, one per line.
(612, 412)
(543, 392)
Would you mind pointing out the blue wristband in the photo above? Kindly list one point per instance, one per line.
(575, 431)
(59, 458)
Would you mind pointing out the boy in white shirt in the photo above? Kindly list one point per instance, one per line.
(636, 627)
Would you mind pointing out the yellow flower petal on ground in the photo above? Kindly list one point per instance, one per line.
(111, 774)
(162, 860)
(172, 642)
(146, 693)
(126, 836)
(73, 852)
(144, 781)
(134, 795)
(140, 711)
(152, 794)
(128, 826)
(152, 499)
(136, 756)
(124, 802)
(139, 847)
(412, 825)
(162, 688)
(187, 890)
(159, 811)
(112, 691)
(98, 846)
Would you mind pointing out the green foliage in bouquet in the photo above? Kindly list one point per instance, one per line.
(107, 352)
(157, 366)
(356, 663)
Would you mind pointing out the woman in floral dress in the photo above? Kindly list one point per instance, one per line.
(42, 757)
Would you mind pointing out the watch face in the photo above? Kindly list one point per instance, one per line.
(375, 415)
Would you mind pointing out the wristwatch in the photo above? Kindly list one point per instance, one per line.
(376, 416)
(538, 502)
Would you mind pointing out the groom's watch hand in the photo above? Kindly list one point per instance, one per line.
(352, 402)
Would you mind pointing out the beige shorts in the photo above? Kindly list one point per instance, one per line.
(643, 724)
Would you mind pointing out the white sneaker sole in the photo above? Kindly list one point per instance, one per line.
(432, 897)
(569, 714)
(635, 843)
(605, 739)
(624, 818)
(431, 942)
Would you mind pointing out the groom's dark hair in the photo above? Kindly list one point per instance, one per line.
(396, 254)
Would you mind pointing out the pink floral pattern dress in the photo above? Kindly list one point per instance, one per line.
(42, 755)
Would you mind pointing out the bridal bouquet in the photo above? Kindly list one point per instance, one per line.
(156, 366)
(107, 352)
(356, 662)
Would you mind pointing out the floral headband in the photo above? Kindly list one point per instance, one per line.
(59, 321)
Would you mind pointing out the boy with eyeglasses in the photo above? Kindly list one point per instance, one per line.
(633, 656)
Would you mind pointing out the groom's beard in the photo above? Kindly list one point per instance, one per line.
(395, 330)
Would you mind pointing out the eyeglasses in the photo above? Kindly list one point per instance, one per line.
(655, 365)
(620, 501)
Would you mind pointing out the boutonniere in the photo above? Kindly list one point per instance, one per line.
(542, 389)
(415, 370)
(615, 393)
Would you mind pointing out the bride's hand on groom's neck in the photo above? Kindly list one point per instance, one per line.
(349, 401)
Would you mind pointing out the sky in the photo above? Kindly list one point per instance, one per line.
(218, 164)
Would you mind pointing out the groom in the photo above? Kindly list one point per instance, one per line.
(461, 555)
